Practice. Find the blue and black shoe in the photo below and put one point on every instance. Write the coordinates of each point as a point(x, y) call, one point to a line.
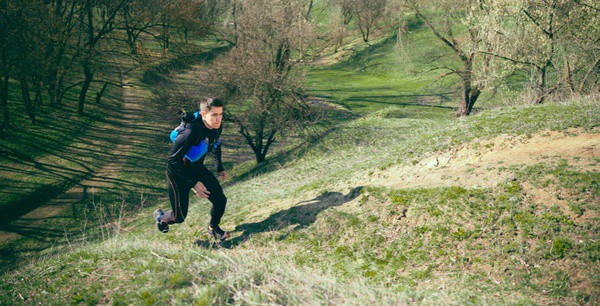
point(161, 225)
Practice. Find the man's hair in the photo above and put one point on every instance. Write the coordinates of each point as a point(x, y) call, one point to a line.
point(207, 103)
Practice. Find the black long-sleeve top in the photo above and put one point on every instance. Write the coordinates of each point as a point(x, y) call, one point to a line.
point(192, 135)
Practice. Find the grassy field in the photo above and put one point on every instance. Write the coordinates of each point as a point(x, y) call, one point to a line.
point(303, 237)
point(58, 137)
point(118, 144)
point(316, 227)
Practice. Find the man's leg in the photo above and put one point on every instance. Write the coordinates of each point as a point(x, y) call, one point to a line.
point(216, 197)
point(179, 192)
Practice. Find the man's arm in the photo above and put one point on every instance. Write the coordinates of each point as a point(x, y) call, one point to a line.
point(217, 156)
point(218, 162)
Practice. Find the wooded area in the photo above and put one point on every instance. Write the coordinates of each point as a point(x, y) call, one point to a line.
point(49, 48)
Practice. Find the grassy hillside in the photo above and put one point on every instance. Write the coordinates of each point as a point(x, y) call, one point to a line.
point(313, 232)
point(59, 135)
point(69, 177)
point(318, 225)
point(385, 74)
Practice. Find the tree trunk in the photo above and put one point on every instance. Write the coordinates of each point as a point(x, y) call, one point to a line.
point(364, 31)
point(260, 157)
point(60, 90)
point(131, 42)
point(258, 146)
point(270, 140)
point(261, 146)
point(4, 99)
point(89, 75)
point(593, 68)
point(541, 87)
point(52, 91)
point(55, 60)
point(165, 37)
point(569, 75)
point(27, 99)
point(101, 93)
point(38, 96)
point(470, 94)
point(309, 10)
point(257, 143)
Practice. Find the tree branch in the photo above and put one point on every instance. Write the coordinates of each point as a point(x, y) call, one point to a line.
point(454, 47)
point(589, 72)
point(586, 5)
point(511, 59)
point(537, 23)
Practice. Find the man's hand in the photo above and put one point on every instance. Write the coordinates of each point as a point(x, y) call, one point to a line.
point(223, 175)
point(200, 190)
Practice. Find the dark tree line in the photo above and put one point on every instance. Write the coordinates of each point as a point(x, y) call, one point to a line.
point(48, 48)
point(52, 47)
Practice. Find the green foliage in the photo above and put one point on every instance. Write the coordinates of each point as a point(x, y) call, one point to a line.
point(559, 248)
point(299, 241)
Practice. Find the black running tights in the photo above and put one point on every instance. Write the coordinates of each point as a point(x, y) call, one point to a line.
point(179, 192)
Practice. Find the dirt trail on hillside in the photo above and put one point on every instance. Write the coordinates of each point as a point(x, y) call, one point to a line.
point(482, 163)
point(35, 223)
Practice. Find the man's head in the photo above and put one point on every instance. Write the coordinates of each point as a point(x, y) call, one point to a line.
point(211, 110)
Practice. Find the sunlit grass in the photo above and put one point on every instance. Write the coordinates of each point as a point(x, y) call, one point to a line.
point(298, 238)
point(308, 229)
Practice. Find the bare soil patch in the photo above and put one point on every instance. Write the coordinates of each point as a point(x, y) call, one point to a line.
point(485, 163)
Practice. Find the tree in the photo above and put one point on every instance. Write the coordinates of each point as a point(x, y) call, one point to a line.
point(260, 77)
point(341, 16)
point(61, 47)
point(21, 35)
point(187, 18)
point(136, 18)
point(368, 14)
point(557, 40)
point(97, 21)
point(6, 31)
point(212, 10)
point(454, 24)
point(29, 45)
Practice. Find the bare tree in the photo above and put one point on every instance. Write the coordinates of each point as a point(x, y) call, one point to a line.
point(260, 76)
point(368, 14)
point(62, 46)
point(187, 18)
point(557, 40)
point(21, 38)
point(139, 17)
point(342, 13)
point(463, 40)
point(212, 10)
point(97, 21)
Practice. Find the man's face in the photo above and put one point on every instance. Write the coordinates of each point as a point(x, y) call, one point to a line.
point(213, 118)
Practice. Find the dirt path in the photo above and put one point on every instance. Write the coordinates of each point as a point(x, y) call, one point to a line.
point(482, 163)
point(35, 224)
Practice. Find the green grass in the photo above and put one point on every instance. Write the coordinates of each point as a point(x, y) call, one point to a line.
point(380, 76)
point(429, 245)
point(375, 142)
point(45, 160)
point(72, 146)
point(403, 70)
point(309, 229)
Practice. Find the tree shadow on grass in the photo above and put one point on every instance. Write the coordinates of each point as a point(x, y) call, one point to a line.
point(302, 215)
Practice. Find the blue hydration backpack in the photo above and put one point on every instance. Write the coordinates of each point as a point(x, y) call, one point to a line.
point(195, 152)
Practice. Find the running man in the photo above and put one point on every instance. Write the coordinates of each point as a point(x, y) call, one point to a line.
point(198, 135)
